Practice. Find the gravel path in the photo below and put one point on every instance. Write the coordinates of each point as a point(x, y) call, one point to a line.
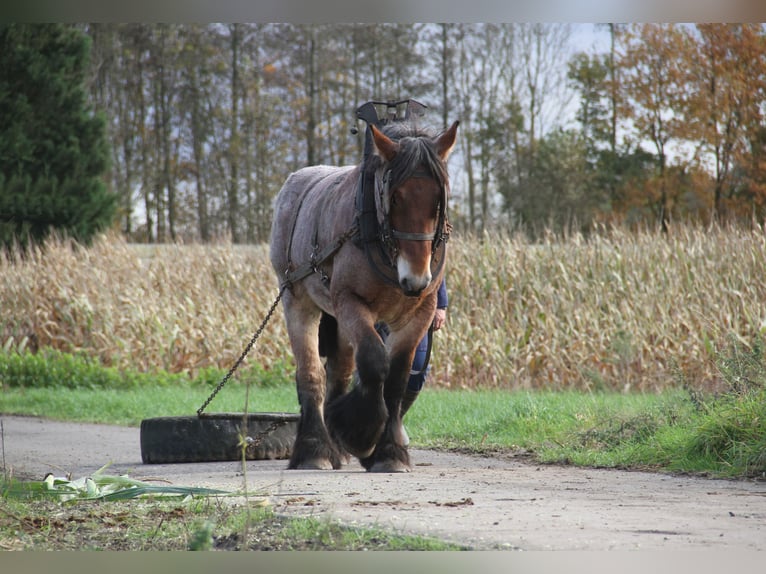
point(483, 503)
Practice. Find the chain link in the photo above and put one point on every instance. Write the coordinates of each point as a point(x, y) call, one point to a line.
point(290, 277)
point(249, 347)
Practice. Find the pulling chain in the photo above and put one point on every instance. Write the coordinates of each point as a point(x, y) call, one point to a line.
point(249, 347)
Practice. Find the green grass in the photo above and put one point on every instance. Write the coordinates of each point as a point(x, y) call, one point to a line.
point(591, 429)
point(129, 407)
point(671, 431)
point(52, 368)
point(493, 418)
point(326, 534)
point(60, 386)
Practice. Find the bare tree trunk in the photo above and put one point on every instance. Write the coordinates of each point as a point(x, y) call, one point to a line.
point(203, 225)
point(234, 138)
point(613, 88)
point(139, 49)
point(247, 156)
point(465, 88)
point(167, 151)
point(445, 72)
point(163, 183)
point(311, 87)
point(157, 178)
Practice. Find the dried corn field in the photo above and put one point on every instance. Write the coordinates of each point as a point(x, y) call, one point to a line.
point(619, 310)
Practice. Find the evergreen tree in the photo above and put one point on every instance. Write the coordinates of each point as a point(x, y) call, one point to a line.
point(53, 149)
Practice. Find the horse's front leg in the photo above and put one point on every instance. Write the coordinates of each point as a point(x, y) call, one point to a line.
point(313, 447)
point(356, 419)
point(390, 454)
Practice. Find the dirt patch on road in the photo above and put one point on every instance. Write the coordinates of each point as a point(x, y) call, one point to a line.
point(480, 502)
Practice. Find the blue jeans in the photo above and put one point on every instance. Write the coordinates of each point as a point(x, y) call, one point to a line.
point(418, 378)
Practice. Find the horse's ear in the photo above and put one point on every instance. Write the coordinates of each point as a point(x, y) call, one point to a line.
point(445, 143)
point(384, 146)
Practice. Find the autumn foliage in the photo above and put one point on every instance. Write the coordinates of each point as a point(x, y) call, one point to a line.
point(693, 97)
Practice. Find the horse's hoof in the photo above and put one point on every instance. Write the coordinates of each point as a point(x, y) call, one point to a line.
point(389, 466)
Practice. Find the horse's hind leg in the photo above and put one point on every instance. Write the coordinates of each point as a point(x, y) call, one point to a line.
point(340, 357)
point(313, 447)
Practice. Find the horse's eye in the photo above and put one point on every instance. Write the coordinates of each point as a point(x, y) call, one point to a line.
point(394, 200)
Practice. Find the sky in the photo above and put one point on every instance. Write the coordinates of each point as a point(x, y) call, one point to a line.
point(316, 11)
point(590, 37)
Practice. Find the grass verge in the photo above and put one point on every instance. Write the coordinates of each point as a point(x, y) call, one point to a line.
point(723, 436)
point(193, 524)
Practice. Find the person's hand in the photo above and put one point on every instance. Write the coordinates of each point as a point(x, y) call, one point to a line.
point(440, 317)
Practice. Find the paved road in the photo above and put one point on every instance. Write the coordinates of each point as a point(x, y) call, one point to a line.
point(480, 502)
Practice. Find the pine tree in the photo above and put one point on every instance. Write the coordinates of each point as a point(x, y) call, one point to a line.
point(53, 150)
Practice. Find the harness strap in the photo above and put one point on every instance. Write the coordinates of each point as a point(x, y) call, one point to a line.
point(413, 236)
point(318, 257)
point(295, 223)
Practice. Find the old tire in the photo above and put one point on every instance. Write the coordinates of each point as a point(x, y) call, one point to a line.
point(218, 437)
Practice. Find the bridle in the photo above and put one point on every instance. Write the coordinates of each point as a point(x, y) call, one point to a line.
point(387, 234)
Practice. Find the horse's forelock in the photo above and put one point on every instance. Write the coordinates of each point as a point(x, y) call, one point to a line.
point(416, 151)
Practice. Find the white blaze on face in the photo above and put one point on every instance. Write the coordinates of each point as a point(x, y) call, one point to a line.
point(411, 282)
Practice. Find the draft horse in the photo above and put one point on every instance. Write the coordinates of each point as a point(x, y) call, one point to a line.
point(346, 260)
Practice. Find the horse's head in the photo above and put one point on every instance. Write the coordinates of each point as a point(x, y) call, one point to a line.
point(411, 197)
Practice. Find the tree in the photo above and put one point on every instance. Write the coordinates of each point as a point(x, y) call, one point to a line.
point(558, 192)
point(588, 75)
point(540, 46)
point(195, 85)
point(53, 151)
point(653, 83)
point(753, 190)
point(726, 89)
point(486, 89)
point(206, 121)
point(613, 170)
point(113, 82)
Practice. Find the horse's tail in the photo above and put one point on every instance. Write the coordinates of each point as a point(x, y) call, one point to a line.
point(328, 335)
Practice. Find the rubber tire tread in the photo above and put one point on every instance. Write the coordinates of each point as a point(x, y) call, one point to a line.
point(216, 437)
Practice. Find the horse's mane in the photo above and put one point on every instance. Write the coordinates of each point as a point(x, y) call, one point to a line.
point(416, 152)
